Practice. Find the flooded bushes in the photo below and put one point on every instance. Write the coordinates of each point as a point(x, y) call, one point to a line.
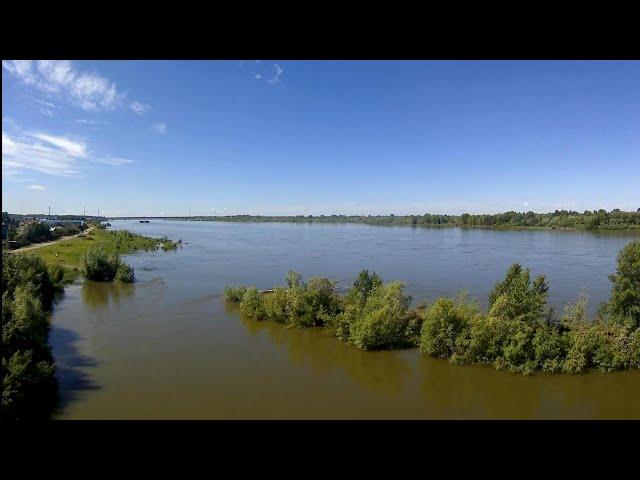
point(383, 321)
point(371, 316)
point(97, 265)
point(518, 333)
point(28, 381)
point(124, 240)
point(234, 294)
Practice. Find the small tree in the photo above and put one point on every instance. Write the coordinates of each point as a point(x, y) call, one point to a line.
point(521, 298)
point(625, 294)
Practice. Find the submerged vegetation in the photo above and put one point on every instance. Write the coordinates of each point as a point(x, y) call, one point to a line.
point(518, 332)
point(588, 220)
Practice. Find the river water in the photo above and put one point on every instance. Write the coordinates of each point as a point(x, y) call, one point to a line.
point(168, 347)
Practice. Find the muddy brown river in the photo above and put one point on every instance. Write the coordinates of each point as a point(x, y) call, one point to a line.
point(168, 347)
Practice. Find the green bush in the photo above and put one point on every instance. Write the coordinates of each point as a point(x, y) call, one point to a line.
point(28, 381)
point(57, 274)
point(234, 294)
point(276, 305)
point(251, 304)
point(517, 333)
point(384, 322)
point(27, 270)
point(33, 232)
point(625, 294)
point(124, 273)
point(522, 298)
point(444, 322)
point(97, 265)
point(550, 348)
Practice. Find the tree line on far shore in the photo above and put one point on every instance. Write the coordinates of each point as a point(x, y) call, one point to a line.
point(588, 220)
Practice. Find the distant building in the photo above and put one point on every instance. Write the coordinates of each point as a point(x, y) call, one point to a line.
point(62, 223)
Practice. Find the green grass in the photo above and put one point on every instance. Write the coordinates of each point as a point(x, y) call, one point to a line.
point(67, 254)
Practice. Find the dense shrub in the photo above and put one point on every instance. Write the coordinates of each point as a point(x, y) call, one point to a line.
point(57, 274)
point(234, 294)
point(625, 294)
point(30, 271)
point(518, 333)
point(124, 273)
point(276, 305)
point(444, 322)
point(383, 323)
point(97, 265)
point(251, 304)
point(33, 232)
point(28, 381)
point(521, 298)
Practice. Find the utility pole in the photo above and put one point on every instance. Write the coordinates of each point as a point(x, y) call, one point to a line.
point(49, 210)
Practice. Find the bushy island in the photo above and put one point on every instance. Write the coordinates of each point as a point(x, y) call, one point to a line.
point(29, 282)
point(518, 332)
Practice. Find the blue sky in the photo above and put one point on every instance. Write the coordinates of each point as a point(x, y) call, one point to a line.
point(319, 137)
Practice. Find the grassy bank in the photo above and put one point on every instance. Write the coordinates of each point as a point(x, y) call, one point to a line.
point(67, 255)
point(518, 332)
point(29, 281)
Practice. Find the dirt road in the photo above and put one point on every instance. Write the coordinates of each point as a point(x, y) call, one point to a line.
point(40, 245)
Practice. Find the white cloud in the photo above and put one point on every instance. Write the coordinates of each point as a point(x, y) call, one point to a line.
point(40, 188)
point(91, 122)
point(74, 149)
point(113, 161)
point(51, 159)
point(139, 108)
point(160, 128)
point(48, 154)
point(278, 74)
point(89, 91)
point(257, 76)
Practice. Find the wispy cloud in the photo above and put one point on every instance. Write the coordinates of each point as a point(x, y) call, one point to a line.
point(83, 121)
point(276, 78)
point(159, 127)
point(139, 108)
point(46, 108)
point(40, 188)
point(112, 161)
point(74, 149)
point(56, 156)
point(89, 91)
point(48, 154)
point(257, 76)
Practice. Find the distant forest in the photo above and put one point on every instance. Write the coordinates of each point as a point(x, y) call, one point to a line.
point(588, 220)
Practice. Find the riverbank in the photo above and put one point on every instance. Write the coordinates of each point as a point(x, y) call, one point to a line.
point(67, 255)
point(35, 246)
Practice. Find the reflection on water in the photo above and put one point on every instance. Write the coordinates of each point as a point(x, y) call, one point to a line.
point(169, 347)
point(71, 366)
point(382, 372)
point(100, 294)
